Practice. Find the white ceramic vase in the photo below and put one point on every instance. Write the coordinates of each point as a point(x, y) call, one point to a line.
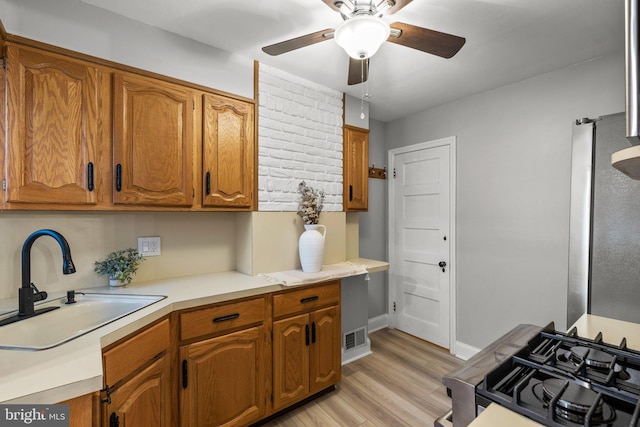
point(311, 247)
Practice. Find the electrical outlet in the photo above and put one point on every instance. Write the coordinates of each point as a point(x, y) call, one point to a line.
point(149, 246)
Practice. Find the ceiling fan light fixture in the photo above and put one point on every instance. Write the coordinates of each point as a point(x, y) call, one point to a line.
point(362, 36)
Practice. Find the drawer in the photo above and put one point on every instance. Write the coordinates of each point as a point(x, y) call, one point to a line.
point(215, 320)
point(135, 352)
point(306, 299)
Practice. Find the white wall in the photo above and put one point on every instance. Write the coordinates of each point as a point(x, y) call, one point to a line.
point(299, 139)
point(513, 177)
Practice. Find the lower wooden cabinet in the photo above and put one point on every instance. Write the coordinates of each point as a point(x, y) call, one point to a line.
point(223, 380)
point(306, 355)
point(142, 401)
point(306, 347)
point(83, 410)
point(137, 376)
point(225, 364)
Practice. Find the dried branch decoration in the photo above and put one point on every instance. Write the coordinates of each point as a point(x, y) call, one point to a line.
point(310, 203)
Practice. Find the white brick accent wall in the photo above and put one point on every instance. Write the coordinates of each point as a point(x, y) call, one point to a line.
point(299, 138)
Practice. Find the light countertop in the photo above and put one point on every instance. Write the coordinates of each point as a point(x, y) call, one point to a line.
point(588, 327)
point(75, 368)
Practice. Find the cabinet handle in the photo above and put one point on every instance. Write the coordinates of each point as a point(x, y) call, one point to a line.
point(309, 299)
point(306, 334)
point(114, 420)
point(185, 374)
point(208, 183)
point(90, 176)
point(118, 177)
point(351, 193)
point(313, 332)
point(227, 317)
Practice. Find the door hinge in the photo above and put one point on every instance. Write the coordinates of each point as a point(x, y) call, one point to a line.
point(394, 172)
point(4, 62)
point(193, 103)
point(4, 184)
point(185, 374)
point(394, 306)
point(107, 392)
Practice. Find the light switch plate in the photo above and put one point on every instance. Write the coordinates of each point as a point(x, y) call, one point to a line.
point(149, 246)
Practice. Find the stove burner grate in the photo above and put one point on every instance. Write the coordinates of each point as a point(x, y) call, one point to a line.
point(572, 402)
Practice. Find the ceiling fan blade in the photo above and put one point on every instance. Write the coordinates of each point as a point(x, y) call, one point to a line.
point(399, 4)
point(430, 41)
point(358, 71)
point(298, 42)
point(333, 4)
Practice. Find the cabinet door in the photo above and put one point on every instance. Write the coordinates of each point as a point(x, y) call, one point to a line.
point(153, 142)
point(356, 168)
point(290, 360)
point(228, 152)
point(325, 358)
point(142, 401)
point(52, 138)
point(225, 380)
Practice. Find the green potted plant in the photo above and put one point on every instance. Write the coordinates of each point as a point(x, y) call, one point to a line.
point(119, 266)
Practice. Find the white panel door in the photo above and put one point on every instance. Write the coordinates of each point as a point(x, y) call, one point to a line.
point(420, 271)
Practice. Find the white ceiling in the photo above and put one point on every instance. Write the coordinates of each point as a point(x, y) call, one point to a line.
point(507, 41)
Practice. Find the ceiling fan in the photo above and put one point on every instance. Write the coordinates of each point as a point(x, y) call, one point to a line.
point(363, 31)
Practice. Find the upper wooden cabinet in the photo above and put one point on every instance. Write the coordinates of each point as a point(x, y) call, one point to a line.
point(228, 151)
point(153, 141)
point(81, 133)
point(52, 137)
point(356, 167)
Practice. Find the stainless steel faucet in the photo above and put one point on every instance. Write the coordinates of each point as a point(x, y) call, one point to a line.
point(28, 293)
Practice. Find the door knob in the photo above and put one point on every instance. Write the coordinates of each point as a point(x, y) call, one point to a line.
point(442, 265)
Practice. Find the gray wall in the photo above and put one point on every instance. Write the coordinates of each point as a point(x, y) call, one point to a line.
point(373, 224)
point(513, 182)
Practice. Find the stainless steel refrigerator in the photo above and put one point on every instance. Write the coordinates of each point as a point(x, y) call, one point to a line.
point(604, 259)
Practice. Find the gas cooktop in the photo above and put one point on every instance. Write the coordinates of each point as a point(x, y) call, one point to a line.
point(561, 379)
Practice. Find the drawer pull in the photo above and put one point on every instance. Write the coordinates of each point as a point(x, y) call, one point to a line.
point(309, 299)
point(227, 317)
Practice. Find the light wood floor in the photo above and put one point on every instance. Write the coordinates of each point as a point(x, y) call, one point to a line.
point(398, 385)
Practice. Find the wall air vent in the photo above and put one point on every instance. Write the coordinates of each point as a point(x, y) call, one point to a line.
point(354, 339)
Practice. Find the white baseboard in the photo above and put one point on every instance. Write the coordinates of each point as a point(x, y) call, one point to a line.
point(465, 351)
point(356, 353)
point(378, 322)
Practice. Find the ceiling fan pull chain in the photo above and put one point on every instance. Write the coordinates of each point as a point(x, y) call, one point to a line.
point(362, 97)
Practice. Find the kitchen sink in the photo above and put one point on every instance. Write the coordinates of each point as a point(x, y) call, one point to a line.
point(69, 321)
